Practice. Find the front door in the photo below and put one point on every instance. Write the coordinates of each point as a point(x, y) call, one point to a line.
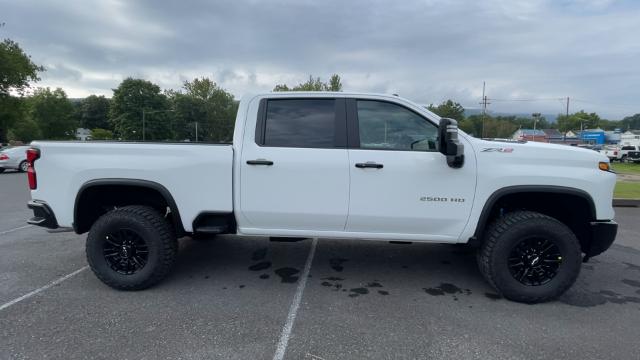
point(295, 170)
point(400, 183)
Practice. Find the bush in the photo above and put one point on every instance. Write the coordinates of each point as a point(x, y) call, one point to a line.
point(101, 134)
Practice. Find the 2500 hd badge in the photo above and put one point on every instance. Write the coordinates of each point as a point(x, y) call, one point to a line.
point(441, 199)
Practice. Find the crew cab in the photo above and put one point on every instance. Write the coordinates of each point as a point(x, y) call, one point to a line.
point(626, 150)
point(619, 153)
point(333, 165)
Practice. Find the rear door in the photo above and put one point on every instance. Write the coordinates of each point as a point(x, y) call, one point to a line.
point(400, 183)
point(294, 167)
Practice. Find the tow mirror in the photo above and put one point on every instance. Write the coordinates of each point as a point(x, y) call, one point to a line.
point(448, 143)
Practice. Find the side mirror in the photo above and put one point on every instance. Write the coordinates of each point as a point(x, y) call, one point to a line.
point(448, 143)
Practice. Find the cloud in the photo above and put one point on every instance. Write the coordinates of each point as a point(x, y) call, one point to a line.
point(425, 50)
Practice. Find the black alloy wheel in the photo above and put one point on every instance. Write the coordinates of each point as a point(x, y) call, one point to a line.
point(125, 251)
point(534, 261)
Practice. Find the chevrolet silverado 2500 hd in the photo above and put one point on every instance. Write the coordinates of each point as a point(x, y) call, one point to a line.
point(333, 165)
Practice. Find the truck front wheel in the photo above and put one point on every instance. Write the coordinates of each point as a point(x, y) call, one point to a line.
point(529, 257)
point(131, 248)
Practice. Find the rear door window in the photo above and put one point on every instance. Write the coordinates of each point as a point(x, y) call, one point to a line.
point(306, 123)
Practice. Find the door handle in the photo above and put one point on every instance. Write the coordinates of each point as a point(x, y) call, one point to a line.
point(260, 162)
point(369, 165)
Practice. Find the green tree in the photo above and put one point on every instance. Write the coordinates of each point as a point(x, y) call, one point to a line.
point(94, 112)
point(188, 111)
point(448, 109)
point(494, 127)
point(133, 99)
point(16, 68)
point(101, 134)
point(630, 122)
point(577, 121)
point(17, 71)
point(335, 84)
point(53, 112)
point(25, 130)
point(314, 84)
point(208, 105)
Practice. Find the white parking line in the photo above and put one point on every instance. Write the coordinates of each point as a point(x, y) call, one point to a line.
point(293, 310)
point(34, 292)
point(16, 229)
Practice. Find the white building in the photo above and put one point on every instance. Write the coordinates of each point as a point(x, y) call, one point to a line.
point(630, 137)
point(83, 134)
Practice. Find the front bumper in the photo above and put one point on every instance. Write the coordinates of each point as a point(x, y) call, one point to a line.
point(42, 215)
point(603, 233)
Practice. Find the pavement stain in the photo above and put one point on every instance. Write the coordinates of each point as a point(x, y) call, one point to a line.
point(287, 275)
point(591, 298)
point(264, 276)
point(492, 296)
point(336, 264)
point(355, 292)
point(260, 266)
point(447, 289)
point(631, 266)
point(630, 282)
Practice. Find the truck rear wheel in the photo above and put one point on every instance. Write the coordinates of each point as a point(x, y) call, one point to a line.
point(131, 248)
point(529, 257)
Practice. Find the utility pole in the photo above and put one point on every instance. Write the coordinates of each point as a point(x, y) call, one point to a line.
point(143, 127)
point(484, 107)
point(567, 107)
point(196, 131)
point(536, 116)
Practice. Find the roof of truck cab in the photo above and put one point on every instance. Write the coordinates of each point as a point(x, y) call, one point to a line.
point(326, 94)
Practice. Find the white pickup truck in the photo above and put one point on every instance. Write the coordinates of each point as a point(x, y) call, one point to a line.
point(333, 165)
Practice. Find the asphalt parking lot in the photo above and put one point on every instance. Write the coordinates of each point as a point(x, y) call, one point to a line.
point(235, 298)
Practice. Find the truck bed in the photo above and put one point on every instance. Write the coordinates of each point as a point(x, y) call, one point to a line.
point(198, 176)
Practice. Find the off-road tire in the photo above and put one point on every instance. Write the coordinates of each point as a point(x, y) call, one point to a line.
point(156, 232)
point(508, 231)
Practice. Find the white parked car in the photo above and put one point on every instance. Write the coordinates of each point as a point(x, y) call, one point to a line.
point(14, 158)
point(333, 165)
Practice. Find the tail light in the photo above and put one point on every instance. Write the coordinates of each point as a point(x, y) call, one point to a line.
point(4, 157)
point(33, 154)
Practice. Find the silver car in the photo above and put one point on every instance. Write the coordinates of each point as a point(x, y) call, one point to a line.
point(14, 158)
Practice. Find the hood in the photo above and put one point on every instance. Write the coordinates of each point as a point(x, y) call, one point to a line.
point(535, 152)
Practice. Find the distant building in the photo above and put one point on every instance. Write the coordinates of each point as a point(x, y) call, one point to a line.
point(630, 137)
point(530, 135)
point(592, 136)
point(612, 137)
point(553, 134)
point(83, 134)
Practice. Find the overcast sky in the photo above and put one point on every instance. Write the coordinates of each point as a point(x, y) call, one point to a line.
point(426, 51)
